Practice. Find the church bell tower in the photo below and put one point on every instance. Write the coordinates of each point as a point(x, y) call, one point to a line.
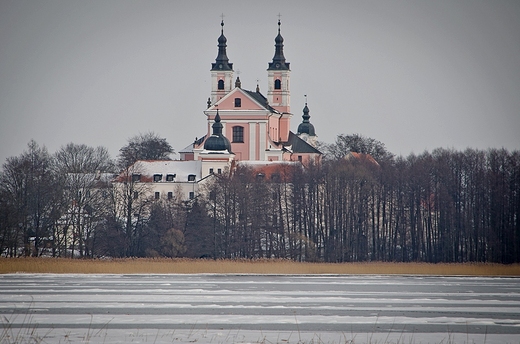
point(221, 70)
point(278, 76)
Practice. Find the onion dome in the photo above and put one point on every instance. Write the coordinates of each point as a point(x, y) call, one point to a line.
point(278, 58)
point(306, 127)
point(222, 61)
point(217, 141)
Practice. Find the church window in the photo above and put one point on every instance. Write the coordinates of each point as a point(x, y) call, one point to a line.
point(238, 102)
point(277, 84)
point(238, 134)
point(221, 84)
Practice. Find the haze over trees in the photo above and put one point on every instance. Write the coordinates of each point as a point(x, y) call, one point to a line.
point(439, 206)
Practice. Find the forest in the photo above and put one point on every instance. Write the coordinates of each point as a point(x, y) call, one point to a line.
point(439, 206)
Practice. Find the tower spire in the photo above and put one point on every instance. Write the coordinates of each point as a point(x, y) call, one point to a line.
point(221, 69)
point(222, 61)
point(217, 141)
point(306, 130)
point(279, 62)
point(278, 77)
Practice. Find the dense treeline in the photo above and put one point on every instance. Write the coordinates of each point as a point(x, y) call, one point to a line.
point(443, 206)
point(65, 205)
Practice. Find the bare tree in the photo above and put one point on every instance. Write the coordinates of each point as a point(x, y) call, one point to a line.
point(84, 173)
point(147, 146)
point(32, 191)
point(356, 143)
point(132, 202)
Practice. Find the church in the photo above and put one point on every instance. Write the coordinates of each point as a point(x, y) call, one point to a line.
point(243, 127)
point(251, 126)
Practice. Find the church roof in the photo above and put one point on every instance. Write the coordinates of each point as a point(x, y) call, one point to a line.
point(271, 170)
point(226, 102)
point(355, 156)
point(259, 97)
point(181, 170)
point(217, 141)
point(297, 145)
point(189, 148)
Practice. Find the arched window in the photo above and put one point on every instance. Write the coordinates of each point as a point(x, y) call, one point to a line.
point(277, 84)
point(238, 134)
point(221, 84)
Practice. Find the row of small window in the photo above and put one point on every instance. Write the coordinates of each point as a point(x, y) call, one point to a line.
point(159, 177)
point(277, 85)
point(157, 195)
point(212, 170)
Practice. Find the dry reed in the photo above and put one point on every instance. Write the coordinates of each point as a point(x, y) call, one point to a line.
point(197, 266)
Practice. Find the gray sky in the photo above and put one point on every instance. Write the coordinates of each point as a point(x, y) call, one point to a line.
point(415, 75)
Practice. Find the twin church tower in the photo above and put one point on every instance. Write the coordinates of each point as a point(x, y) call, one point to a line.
point(245, 125)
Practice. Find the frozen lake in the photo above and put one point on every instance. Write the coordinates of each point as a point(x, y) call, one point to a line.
point(258, 308)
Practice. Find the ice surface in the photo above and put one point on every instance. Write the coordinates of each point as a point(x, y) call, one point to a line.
point(252, 308)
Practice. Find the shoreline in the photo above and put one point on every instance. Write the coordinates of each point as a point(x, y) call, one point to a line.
point(243, 266)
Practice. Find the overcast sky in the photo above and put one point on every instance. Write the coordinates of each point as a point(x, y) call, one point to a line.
point(415, 75)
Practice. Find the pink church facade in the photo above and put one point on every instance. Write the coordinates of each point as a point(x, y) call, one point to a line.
point(256, 126)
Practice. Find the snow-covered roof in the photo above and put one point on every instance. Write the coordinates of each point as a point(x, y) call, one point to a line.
point(180, 168)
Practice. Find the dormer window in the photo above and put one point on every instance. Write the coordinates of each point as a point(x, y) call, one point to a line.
point(238, 102)
point(157, 177)
point(277, 84)
point(191, 177)
point(136, 177)
point(170, 177)
point(220, 84)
